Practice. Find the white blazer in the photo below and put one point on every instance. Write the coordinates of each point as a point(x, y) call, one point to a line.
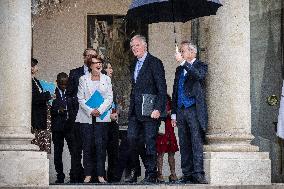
point(85, 91)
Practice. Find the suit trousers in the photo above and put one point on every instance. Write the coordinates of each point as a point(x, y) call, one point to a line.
point(125, 154)
point(58, 142)
point(94, 141)
point(191, 141)
point(112, 150)
point(76, 156)
point(149, 131)
point(88, 146)
point(101, 138)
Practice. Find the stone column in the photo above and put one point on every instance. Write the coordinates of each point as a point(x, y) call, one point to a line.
point(21, 163)
point(230, 159)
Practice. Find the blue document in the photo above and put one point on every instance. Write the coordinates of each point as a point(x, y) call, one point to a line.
point(95, 101)
point(48, 86)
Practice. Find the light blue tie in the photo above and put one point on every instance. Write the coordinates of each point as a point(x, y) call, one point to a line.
point(138, 67)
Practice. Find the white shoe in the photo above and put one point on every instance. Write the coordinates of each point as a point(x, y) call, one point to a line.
point(87, 179)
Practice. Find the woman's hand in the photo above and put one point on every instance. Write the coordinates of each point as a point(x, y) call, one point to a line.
point(113, 116)
point(95, 113)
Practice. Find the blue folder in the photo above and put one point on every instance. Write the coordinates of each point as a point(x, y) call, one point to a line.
point(48, 86)
point(95, 101)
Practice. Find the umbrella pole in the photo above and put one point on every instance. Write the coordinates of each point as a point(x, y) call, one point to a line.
point(173, 14)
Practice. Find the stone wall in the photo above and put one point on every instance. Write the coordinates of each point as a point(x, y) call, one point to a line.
point(266, 80)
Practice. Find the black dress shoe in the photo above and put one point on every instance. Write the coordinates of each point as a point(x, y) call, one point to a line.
point(185, 180)
point(200, 179)
point(149, 180)
point(131, 178)
point(59, 181)
point(171, 180)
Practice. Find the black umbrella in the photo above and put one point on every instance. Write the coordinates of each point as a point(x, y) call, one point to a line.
point(153, 11)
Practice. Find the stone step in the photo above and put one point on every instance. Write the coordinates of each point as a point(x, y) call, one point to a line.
point(163, 186)
point(153, 186)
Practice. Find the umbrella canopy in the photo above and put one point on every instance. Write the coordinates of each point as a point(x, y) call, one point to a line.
point(153, 11)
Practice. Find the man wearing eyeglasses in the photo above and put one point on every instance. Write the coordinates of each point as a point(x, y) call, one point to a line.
point(77, 171)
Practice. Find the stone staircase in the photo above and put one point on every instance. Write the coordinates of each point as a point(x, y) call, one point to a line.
point(166, 186)
point(154, 186)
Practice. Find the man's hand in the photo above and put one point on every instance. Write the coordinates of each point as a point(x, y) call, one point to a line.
point(155, 114)
point(95, 113)
point(178, 57)
point(61, 110)
point(174, 123)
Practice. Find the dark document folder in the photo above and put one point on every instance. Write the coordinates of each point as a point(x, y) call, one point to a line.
point(148, 105)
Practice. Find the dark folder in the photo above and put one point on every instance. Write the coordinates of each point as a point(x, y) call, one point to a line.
point(148, 102)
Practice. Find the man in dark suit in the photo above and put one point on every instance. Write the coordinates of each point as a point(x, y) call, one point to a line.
point(189, 112)
point(73, 106)
point(148, 78)
point(60, 127)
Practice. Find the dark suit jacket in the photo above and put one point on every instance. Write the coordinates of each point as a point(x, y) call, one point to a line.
point(151, 80)
point(58, 117)
point(71, 92)
point(193, 87)
point(39, 106)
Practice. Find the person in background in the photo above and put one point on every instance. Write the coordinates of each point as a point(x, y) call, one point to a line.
point(189, 112)
point(167, 143)
point(60, 127)
point(39, 111)
point(93, 126)
point(113, 134)
point(73, 106)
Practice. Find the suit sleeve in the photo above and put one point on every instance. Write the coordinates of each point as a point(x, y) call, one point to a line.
point(160, 82)
point(39, 98)
point(70, 85)
point(197, 72)
point(54, 107)
point(174, 94)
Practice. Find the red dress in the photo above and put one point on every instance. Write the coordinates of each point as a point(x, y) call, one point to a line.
point(167, 142)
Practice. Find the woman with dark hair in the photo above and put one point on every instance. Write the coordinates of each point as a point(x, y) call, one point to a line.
point(94, 125)
point(113, 134)
point(39, 111)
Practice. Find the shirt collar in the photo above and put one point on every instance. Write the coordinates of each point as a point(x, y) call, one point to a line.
point(142, 59)
point(86, 69)
point(182, 63)
point(60, 91)
point(191, 62)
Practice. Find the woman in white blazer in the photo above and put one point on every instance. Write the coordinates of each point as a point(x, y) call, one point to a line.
point(94, 128)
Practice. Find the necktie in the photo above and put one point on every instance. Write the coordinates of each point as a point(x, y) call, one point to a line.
point(63, 97)
point(138, 67)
